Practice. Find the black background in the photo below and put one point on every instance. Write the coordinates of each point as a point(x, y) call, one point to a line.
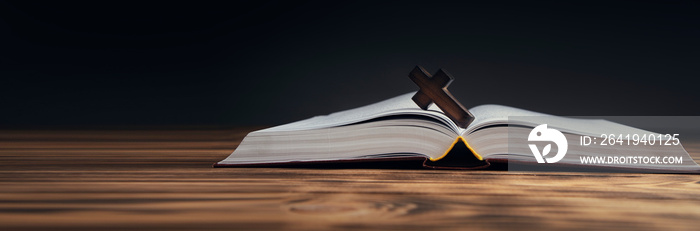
point(270, 62)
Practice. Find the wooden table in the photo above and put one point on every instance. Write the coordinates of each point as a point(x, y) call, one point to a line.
point(162, 179)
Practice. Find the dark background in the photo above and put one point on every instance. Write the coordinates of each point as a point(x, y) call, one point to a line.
point(271, 62)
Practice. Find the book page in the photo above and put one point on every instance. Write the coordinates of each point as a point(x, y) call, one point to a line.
point(399, 105)
point(487, 115)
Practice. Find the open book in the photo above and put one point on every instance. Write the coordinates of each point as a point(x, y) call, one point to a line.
point(397, 129)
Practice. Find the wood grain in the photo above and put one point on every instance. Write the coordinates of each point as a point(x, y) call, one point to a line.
point(162, 179)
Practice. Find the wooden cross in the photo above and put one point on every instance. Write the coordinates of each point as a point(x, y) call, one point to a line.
point(434, 90)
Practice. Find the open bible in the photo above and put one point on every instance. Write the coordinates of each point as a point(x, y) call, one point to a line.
point(397, 129)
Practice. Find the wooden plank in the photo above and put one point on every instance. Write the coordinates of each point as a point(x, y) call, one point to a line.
point(97, 180)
